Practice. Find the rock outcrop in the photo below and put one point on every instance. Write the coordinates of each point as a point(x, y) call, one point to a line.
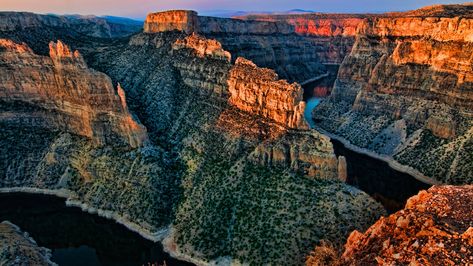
point(17, 248)
point(259, 91)
point(203, 64)
point(406, 91)
point(178, 20)
point(202, 47)
point(435, 228)
point(307, 153)
point(59, 92)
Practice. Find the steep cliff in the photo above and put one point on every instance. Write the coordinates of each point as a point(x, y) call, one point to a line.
point(406, 91)
point(295, 47)
point(260, 92)
point(59, 92)
point(17, 248)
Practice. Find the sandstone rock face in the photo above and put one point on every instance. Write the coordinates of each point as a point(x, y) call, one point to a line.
point(202, 47)
point(295, 47)
point(259, 91)
point(60, 92)
point(17, 248)
point(435, 228)
point(329, 25)
point(406, 91)
point(249, 88)
point(179, 20)
point(308, 153)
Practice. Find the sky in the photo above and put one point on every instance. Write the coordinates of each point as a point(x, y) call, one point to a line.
point(139, 8)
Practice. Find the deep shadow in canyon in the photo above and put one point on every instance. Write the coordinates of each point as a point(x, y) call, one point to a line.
point(388, 186)
point(79, 238)
point(375, 177)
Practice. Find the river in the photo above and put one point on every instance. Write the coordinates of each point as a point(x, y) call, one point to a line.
point(78, 238)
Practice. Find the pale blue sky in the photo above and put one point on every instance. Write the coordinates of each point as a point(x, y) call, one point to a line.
point(139, 8)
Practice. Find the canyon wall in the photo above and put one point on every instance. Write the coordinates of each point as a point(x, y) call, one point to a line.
point(255, 90)
point(259, 91)
point(84, 33)
point(295, 47)
point(60, 92)
point(406, 91)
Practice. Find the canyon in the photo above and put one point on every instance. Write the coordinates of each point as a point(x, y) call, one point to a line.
point(213, 142)
point(192, 132)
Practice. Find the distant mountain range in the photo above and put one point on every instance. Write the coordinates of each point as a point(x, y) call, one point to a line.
point(233, 13)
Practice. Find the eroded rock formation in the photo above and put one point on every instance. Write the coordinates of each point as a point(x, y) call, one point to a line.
point(406, 91)
point(259, 91)
point(435, 228)
point(60, 92)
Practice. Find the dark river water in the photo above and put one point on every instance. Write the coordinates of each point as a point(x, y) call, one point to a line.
point(388, 186)
point(77, 238)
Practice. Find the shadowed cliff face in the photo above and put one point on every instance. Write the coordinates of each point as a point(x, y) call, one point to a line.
point(406, 91)
point(80, 32)
point(64, 94)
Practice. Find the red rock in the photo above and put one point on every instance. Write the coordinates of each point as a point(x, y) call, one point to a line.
point(259, 91)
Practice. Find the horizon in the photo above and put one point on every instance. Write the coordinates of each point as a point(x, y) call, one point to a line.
point(140, 8)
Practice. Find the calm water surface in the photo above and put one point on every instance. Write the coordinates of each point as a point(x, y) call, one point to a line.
point(77, 238)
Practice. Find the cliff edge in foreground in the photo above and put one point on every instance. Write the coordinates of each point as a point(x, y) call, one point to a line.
point(435, 228)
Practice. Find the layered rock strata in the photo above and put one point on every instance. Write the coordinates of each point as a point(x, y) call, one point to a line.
point(87, 25)
point(249, 88)
point(295, 47)
point(259, 91)
point(59, 92)
point(17, 248)
point(406, 92)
